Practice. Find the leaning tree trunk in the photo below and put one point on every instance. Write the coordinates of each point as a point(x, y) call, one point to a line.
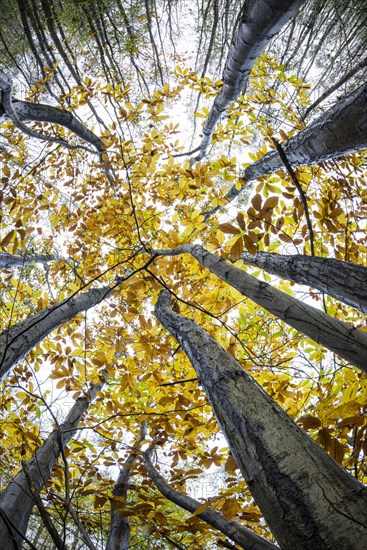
point(242, 536)
point(341, 130)
point(119, 535)
point(308, 500)
point(20, 339)
point(17, 501)
point(337, 336)
point(344, 281)
point(259, 22)
point(8, 261)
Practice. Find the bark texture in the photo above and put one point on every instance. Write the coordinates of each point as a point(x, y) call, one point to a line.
point(18, 111)
point(8, 261)
point(308, 500)
point(20, 339)
point(242, 536)
point(16, 501)
point(259, 22)
point(344, 281)
point(340, 130)
point(119, 535)
point(339, 337)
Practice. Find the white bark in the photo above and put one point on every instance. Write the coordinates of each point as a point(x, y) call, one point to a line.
point(16, 501)
point(8, 261)
point(339, 337)
point(19, 339)
point(307, 499)
point(242, 536)
point(344, 281)
point(260, 21)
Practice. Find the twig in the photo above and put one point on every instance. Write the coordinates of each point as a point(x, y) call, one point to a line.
point(292, 174)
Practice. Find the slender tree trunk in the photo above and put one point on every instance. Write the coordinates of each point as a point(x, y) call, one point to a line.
point(308, 500)
point(20, 339)
point(8, 261)
point(344, 281)
point(119, 535)
point(38, 112)
point(337, 336)
point(259, 22)
point(242, 536)
point(16, 501)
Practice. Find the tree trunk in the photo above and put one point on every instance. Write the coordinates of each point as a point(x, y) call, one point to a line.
point(43, 113)
point(340, 130)
point(259, 22)
point(20, 339)
point(16, 501)
point(308, 500)
point(8, 261)
point(119, 535)
point(337, 336)
point(344, 281)
point(242, 536)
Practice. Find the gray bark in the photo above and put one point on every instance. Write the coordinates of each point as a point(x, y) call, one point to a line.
point(340, 130)
point(242, 536)
point(16, 501)
point(307, 499)
point(19, 339)
point(119, 535)
point(8, 261)
point(18, 111)
point(259, 22)
point(344, 281)
point(339, 337)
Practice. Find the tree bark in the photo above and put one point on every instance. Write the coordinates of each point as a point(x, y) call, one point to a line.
point(336, 336)
point(340, 130)
point(16, 501)
point(20, 339)
point(259, 22)
point(344, 281)
point(119, 535)
point(8, 261)
point(307, 499)
point(23, 110)
point(242, 536)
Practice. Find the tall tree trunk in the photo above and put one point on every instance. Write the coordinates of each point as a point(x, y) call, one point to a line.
point(259, 22)
point(340, 130)
point(119, 535)
point(242, 536)
point(337, 336)
point(23, 110)
point(16, 501)
point(20, 339)
point(344, 281)
point(308, 500)
point(8, 261)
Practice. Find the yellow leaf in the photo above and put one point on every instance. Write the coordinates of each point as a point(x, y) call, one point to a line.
point(201, 508)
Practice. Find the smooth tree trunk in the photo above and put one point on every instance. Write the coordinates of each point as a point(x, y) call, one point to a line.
point(119, 535)
point(16, 501)
point(259, 22)
point(339, 131)
point(20, 339)
point(18, 111)
point(307, 499)
point(8, 261)
point(335, 335)
point(239, 534)
point(344, 281)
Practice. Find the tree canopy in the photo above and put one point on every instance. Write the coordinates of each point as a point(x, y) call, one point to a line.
point(183, 273)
